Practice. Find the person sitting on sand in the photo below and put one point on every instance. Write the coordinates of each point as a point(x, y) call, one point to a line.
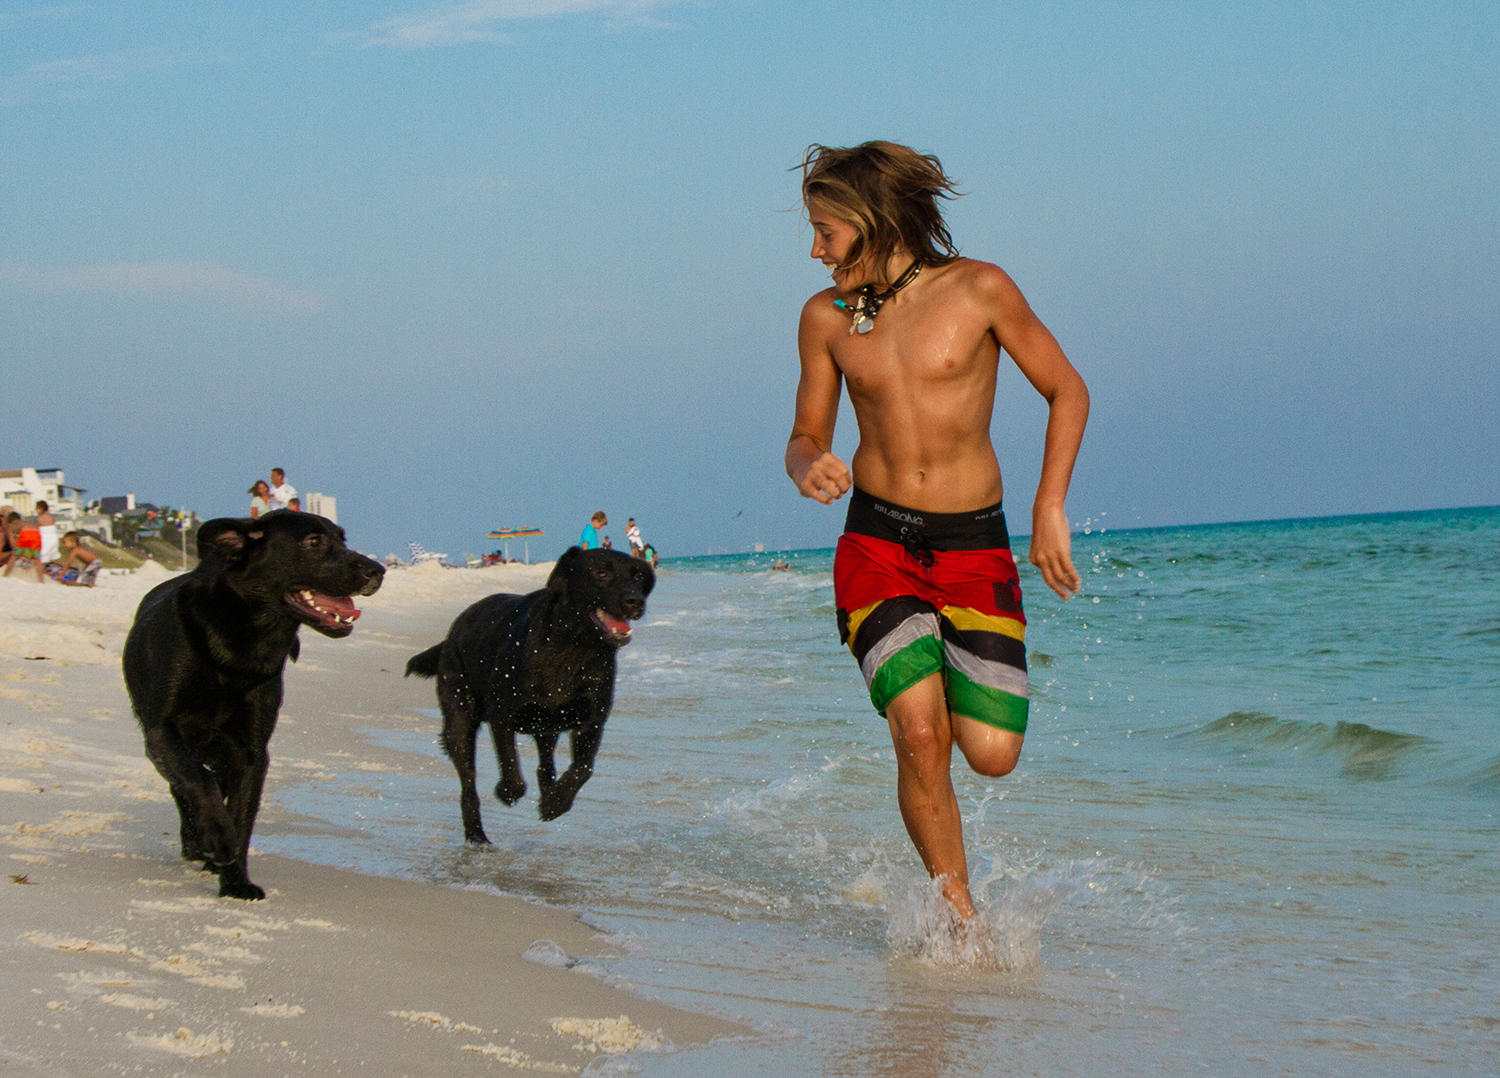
point(925, 587)
point(89, 563)
point(7, 541)
point(26, 547)
point(260, 499)
point(589, 540)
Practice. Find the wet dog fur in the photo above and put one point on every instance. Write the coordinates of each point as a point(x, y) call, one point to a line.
point(204, 661)
point(537, 664)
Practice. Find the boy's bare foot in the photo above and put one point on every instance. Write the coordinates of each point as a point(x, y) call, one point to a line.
point(956, 891)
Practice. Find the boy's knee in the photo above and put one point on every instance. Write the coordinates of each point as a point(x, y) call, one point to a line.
point(994, 764)
point(989, 751)
point(920, 741)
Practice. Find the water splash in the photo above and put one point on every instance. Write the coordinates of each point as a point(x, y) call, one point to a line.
point(1005, 937)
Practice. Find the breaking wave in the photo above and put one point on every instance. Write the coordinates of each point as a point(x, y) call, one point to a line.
point(1366, 752)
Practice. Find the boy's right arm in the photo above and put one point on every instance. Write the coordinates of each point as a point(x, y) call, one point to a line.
point(810, 462)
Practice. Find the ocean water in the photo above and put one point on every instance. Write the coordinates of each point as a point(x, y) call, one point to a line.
point(1254, 829)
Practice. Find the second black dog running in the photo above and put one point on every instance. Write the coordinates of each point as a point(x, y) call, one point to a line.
point(537, 664)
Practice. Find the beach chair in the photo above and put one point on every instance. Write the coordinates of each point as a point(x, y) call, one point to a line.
point(418, 555)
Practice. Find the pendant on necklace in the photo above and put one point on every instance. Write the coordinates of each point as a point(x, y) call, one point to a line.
point(864, 311)
point(863, 315)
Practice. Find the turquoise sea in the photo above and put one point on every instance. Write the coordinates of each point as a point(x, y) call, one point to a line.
point(1254, 830)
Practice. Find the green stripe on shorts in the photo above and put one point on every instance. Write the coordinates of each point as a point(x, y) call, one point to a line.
point(993, 707)
point(904, 669)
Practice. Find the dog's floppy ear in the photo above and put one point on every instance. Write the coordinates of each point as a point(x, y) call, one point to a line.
point(647, 577)
point(226, 539)
point(563, 570)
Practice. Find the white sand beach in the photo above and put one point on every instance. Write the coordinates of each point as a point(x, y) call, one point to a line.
point(117, 956)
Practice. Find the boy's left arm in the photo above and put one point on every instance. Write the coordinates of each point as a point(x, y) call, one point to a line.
point(1041, 359)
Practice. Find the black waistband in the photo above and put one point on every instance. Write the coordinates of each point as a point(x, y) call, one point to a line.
point(978, 529)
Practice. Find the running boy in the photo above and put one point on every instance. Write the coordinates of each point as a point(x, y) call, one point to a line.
point(926, 589)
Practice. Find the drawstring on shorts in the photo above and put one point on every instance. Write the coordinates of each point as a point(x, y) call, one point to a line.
point(918, 546)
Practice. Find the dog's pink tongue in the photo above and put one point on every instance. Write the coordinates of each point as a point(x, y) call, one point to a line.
point(614, 624)
point(342, 605)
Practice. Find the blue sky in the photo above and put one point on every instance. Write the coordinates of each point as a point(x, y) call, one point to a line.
point(502, 263)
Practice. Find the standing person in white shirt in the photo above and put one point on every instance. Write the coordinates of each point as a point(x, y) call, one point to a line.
point(633, 536)
point(47, 525)
point(282, 492)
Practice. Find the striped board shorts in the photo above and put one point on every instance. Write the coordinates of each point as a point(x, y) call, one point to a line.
point(923, 593)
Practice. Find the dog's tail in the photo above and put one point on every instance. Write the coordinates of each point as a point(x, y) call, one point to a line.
point(425, 664)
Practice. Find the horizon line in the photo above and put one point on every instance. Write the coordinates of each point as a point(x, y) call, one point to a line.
point(1146, 528)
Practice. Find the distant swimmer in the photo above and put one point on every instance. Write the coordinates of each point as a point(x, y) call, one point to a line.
point(780, 566)
point(927, 593)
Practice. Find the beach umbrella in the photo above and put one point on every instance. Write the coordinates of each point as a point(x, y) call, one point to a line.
point(514, 533)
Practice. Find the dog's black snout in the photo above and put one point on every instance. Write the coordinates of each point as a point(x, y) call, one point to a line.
point(372, 574)
point(635, 606)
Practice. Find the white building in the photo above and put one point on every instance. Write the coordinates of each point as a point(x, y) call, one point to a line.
point(22, 488)
point(322, 504)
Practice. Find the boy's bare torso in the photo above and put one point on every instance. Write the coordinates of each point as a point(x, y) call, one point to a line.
point(923, 386)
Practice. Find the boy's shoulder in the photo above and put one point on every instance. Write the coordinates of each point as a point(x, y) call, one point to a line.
point(820, 305)
point(983, 277)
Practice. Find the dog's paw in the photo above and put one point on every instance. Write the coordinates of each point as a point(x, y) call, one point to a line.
point(233, 883)
point(510, 794)
point(554, 805)
point(477, 838)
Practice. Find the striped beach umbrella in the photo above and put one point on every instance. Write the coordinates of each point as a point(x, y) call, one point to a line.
point(504, 534)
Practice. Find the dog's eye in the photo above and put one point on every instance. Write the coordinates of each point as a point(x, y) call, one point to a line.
point(313, 541)
point(601, 574)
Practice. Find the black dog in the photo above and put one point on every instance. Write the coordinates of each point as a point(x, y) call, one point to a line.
point(537, 664)
point(204, 659)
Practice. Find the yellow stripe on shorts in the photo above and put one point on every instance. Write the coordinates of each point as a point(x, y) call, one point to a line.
point(857, 618)
point(965, 619)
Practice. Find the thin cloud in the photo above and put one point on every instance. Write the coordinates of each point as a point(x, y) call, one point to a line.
point(10, 19)
point(484, 20)
point(160, 280)
point(80, 76)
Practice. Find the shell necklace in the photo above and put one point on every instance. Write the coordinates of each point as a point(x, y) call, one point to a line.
point(864, 309)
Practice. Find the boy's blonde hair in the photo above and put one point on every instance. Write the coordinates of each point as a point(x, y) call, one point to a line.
point(889, 193)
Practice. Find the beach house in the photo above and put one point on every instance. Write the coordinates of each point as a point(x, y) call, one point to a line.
point(22, 488)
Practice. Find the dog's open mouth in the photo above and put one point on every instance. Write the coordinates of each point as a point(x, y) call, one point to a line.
point(324, 611)
point(615, 629)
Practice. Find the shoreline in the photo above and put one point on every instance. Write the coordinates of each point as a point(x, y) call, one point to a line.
point(118, 954)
